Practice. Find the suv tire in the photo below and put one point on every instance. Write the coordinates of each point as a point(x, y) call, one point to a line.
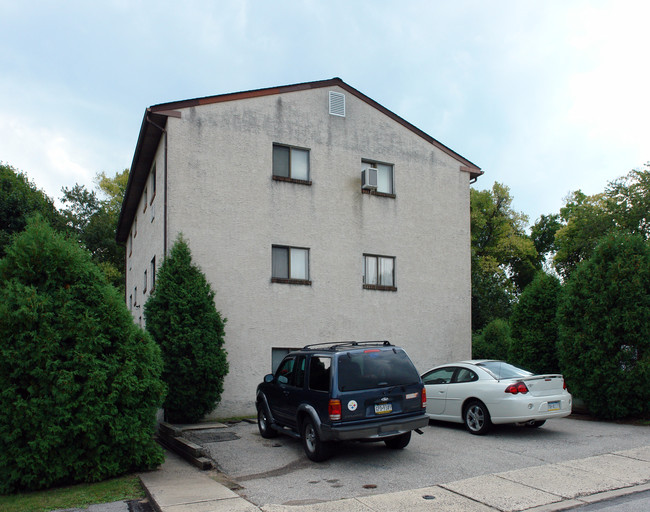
point(316, 449)
point(264, 425)
point(399, 442)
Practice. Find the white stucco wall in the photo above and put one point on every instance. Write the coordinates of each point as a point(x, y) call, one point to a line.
point(221, 196)
point(147, 243)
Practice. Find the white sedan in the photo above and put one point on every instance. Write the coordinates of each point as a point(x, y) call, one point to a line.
point(480, 393)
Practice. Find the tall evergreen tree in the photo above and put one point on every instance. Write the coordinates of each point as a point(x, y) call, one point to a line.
point(79, 381)
point(492, 342)
point(534, 328)
point(182, 317)
point(604, 322)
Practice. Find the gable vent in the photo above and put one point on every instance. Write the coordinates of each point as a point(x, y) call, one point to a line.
point(337, 104)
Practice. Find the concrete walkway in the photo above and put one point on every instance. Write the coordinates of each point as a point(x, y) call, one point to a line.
point(179, 487)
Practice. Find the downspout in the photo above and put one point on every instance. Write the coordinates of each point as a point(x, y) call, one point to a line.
point(164, 186)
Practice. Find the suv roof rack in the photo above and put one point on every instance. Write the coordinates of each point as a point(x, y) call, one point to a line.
point(339, 345)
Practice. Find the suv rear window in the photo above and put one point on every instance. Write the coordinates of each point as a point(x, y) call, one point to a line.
point(375, 368)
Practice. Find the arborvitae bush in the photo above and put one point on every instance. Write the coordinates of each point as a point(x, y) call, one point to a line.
point(79, 381)
point(493, 342)
point(604, 321)
point(533, 326)
point(182, 317)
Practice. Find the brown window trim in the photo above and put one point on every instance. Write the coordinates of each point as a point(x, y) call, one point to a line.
point(379, 288)
point(291, 180)
point(305, 282)
point(375, 193)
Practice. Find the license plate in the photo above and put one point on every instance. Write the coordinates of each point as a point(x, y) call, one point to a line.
point(554, 406)
point(383, 408)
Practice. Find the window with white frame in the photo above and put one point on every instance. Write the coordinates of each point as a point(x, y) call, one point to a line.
point(379, 272)
point(290, 164)
point(290, 265)
point(384, 176)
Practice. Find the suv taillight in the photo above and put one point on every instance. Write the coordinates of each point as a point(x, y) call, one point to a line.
point(334, 409)
point(517, 387)
point(424, 398)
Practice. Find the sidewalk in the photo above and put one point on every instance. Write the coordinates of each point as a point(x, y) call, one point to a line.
point(179, 487)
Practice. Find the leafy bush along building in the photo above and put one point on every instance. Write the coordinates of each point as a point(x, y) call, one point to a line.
point(266, 187)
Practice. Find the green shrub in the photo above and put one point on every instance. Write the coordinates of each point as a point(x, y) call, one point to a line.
point(181, 316)
point(493, 342)
point(79, 382)
point(604, 321)
point(533, 326)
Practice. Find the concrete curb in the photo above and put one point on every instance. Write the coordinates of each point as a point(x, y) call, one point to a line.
point(179, 487)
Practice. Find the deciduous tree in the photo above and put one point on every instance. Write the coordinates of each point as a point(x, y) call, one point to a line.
point(19, 198)
point(94, 220)
point(504, 259)
point(623, 206)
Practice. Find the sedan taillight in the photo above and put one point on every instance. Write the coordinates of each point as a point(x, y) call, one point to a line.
point(517, 387)
point(334, 409)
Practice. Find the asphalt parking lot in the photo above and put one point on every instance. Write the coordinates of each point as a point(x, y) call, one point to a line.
point(277, 471)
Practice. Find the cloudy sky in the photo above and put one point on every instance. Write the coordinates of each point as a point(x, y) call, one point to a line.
point(546, 97)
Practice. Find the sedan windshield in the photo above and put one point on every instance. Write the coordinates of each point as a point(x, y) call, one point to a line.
point(501, 370)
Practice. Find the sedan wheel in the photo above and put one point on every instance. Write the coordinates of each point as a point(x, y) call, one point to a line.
point(477, 418)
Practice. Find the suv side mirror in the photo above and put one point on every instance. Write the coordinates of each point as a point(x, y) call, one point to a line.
point(268, 378)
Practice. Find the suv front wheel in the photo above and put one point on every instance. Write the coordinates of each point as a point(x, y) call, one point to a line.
point(316, 449)
point(264, 426)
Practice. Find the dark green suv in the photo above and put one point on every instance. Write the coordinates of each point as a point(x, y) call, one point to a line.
point(366, 390)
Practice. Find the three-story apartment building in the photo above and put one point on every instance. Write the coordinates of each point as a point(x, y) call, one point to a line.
point(315, 213)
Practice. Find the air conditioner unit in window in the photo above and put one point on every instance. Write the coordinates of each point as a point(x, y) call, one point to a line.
point(369, 178)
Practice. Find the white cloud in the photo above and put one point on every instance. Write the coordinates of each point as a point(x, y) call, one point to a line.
point(51, 159)
point(610, 97)
point(546, 97)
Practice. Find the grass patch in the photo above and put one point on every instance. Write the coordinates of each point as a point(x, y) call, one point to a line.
point(74, 496)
